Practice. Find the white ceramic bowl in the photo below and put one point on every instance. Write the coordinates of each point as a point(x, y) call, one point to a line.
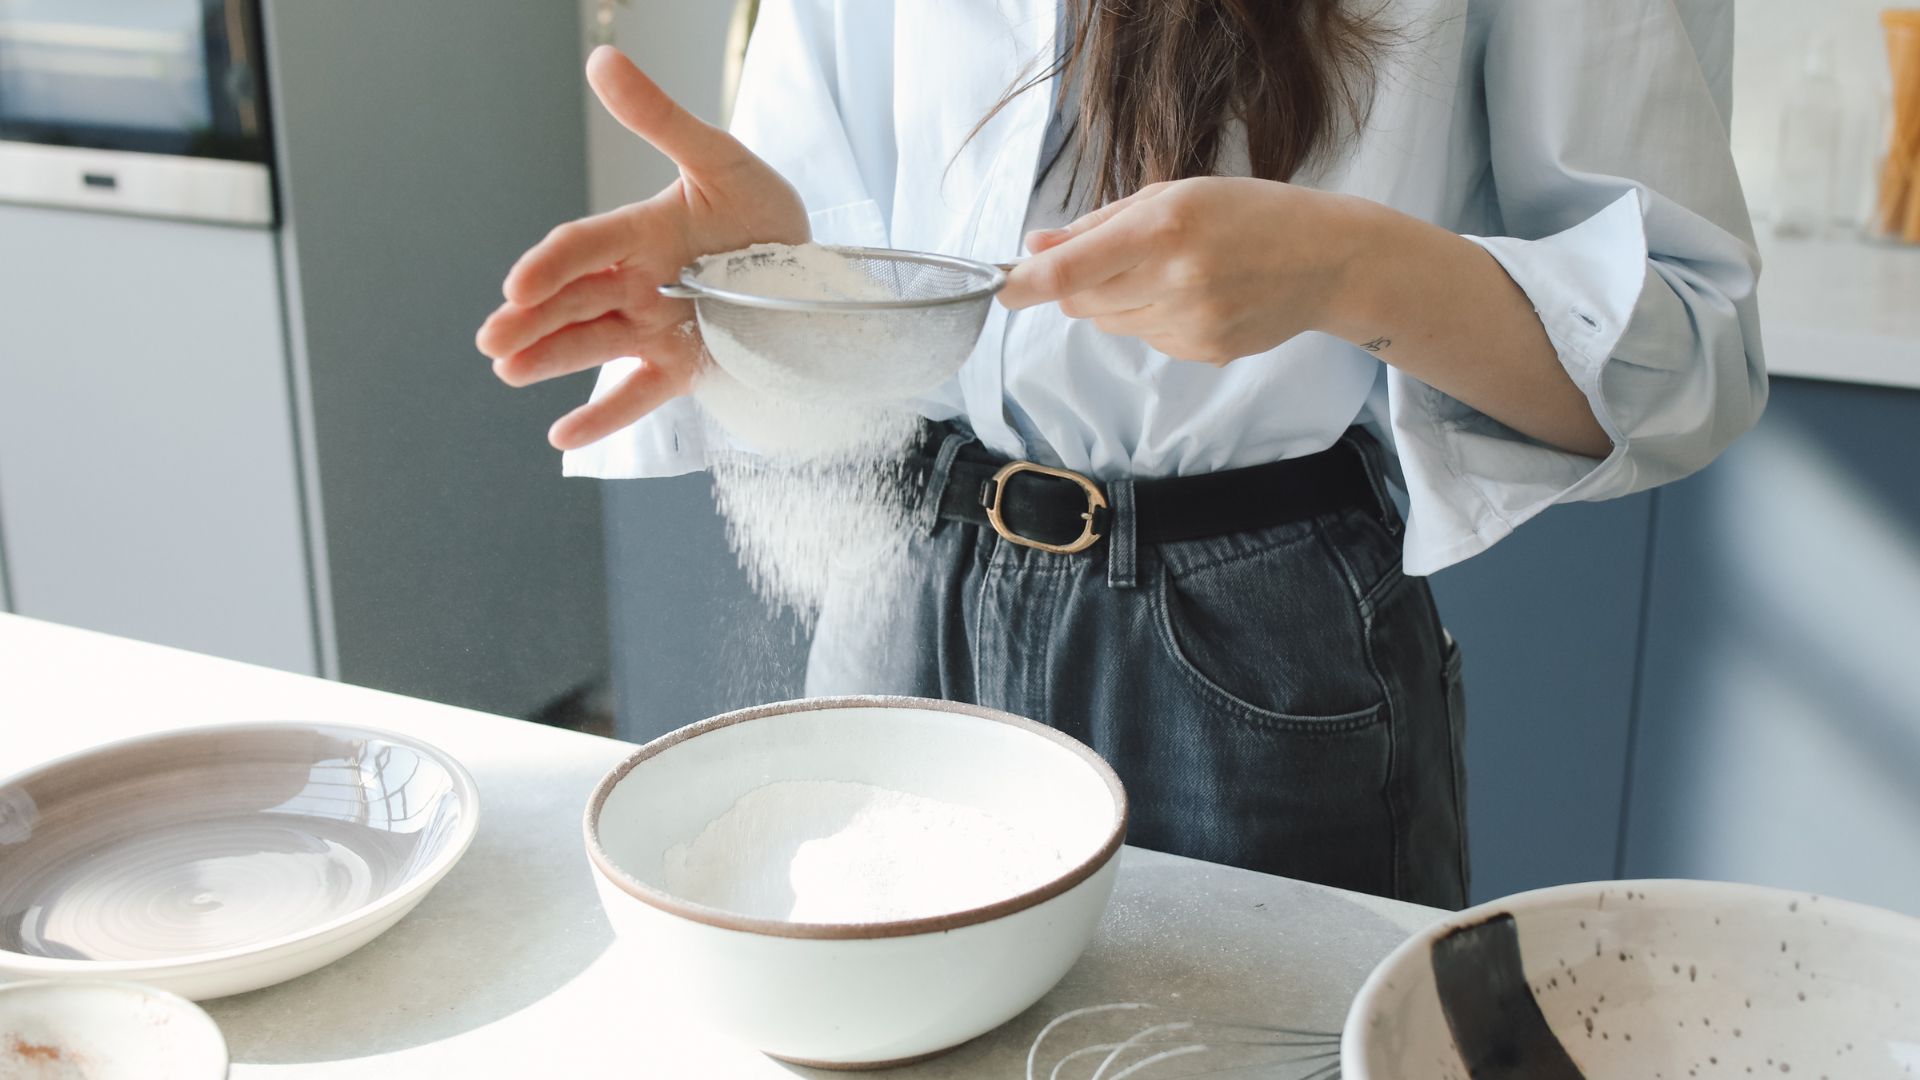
point(848, 995)
point(214, 860)
point(1672, 978)
point(58, 1030)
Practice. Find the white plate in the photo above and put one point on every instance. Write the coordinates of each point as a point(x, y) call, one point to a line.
point(214, 860)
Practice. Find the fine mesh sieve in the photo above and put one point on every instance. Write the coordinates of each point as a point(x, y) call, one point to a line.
point(905, 329)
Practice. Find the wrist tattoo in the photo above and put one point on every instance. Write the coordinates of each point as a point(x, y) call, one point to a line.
point(1377, 344)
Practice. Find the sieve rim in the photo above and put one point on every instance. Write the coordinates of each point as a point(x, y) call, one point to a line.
point(993, 279)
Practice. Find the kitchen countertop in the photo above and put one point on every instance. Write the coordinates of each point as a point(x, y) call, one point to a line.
point(1841, 309)
point(509, 969)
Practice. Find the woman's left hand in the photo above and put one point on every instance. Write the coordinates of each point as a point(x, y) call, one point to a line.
point(1210, 269)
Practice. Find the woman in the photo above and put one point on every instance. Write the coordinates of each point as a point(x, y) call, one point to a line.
point(1492, 249)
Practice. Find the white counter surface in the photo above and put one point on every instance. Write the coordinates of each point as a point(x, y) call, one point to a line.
point(1842, 310)
point(509, 968)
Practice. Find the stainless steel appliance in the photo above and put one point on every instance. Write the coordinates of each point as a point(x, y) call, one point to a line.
point(153, 107)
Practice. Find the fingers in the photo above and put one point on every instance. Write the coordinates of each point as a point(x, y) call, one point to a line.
point(646, 110)
point(665, 375)
point(1041, 239)
point(583, 247)
point(513, 328)
point(1077, 264)
point(575, 348)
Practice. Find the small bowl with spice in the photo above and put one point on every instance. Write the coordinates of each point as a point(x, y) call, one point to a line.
point(857, 882)
point(100, 1030)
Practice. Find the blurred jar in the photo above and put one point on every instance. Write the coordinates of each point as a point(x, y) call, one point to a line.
point(1810, 132)
point(1897, 210)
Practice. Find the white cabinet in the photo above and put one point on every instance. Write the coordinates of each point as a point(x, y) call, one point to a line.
point(148, 483)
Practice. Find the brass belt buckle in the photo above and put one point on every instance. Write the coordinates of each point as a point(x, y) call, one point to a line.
point(1096, 501)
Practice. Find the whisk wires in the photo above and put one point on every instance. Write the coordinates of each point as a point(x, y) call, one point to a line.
point(1275, 1049)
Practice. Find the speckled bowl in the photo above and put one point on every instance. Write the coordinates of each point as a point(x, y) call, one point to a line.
point(1676, 979)
point(858, 994)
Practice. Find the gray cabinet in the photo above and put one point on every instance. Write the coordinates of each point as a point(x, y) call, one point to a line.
point(1779, 717)
point(1717, 680)
point(421, 147)
point(1549, 623)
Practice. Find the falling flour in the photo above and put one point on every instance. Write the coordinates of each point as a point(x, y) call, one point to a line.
point(836, 851)
point(813, 490)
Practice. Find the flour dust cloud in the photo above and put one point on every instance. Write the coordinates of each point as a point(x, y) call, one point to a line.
point(813, 489)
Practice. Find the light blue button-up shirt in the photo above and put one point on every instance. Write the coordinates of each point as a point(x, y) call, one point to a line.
point(1583, 144)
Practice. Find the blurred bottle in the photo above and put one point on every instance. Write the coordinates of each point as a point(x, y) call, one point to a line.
point(1897, 213)
point(1810, 132)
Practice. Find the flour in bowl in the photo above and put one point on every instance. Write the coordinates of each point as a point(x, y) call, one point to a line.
point(836, 851)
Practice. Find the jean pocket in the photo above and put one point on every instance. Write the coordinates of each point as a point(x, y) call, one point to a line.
point(1275, 638)
point(1281, 772)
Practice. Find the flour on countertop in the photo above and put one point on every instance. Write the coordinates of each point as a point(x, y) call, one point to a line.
point(837, 851)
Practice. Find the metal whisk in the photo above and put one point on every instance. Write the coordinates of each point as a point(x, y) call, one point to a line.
point(905, 331)
point(1169, 1046)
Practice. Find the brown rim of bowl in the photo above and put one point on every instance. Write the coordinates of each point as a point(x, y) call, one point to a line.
point(929, 924)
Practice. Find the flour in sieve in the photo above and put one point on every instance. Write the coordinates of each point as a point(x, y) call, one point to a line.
point(796, 272)
point(836, 851)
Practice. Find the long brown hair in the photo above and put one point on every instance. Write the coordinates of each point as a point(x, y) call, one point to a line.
point(1160, 79)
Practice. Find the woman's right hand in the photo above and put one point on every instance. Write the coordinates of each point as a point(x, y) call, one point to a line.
point(587, 293)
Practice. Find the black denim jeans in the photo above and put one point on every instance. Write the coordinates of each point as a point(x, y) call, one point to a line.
point(1283, 700)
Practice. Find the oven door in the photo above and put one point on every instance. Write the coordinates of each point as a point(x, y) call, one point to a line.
point(151, 107)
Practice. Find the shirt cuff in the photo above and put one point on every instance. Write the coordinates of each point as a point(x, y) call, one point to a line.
point(1585, 284)
point(1471, 479)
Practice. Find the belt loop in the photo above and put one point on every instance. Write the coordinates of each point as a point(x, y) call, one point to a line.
point(1122, 552)
point(950, 448)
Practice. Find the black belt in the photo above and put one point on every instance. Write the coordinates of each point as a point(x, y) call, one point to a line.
point(1061, 511)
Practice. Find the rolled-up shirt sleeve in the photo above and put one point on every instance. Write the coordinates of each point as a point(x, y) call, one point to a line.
point(1622, 219)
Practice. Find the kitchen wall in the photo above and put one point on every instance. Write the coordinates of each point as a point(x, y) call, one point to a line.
point(1771, 40)
point(680, 45)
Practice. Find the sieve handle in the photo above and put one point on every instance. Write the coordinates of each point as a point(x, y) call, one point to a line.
point(673, 290)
